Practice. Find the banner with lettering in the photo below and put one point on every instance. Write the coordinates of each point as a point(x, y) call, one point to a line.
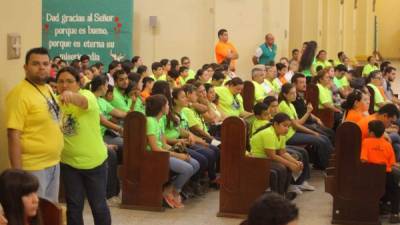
point(101, 29)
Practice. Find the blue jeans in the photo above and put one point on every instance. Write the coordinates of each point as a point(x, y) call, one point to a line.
point(184, 169)
point(211, 155)
point(49, 182)
point(321, 144)
point(91, 182)
point(302, 154)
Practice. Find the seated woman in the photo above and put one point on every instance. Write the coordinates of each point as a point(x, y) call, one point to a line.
point(370, 66)
point(230, 100)
point(84, 157)
point(180, 163)
point(19, 198)
point(298, 134)
point(356, 106)
point(202, 76)
point(272, 209)
point(269, 142)
point(320, 60)
point(374, 81)
point(147, 85)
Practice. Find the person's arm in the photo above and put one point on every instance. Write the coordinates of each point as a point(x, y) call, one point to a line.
point(245, 114)
point(303, 119)
point(69, 97)
point(200, 132)
point(297, 126)
point(200, 108)
point(118, 113)
point(152, 140)
point(255, 60)
point(272, 154)
point(14, 148)
point(105, 122)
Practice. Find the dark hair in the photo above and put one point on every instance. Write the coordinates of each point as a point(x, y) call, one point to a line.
point(388, 69)
point(163, 88)
point(110, 88)
point(134, 77)
point(184, 58)
point(71, 70)
point(259, 108)
point(131, 86)
point(294, 50)
point(339, 55)
point(372, 75)
point(319, 53)
point(155, 104)
point(56, 57)
point(268, 100)
point(14, 184)
point(341, 68)
point(384, 65)
point(37, 51)
point(156, 65)
point(97, 82)
point(280, 66)
point(174, 63)
point(173, 74)
point(135, 59)
point(351, 99)
point(307, 57)
point(164, 62)
point(285, 90)
point(206, 66)
point(141, 69)
point(278, 118)
point(118, 73)
point(182, 69)
point(320, 75)
point(145, 81)
point(84, 57)
point(98, 65)
point(221, 32)
point(390, 110)
point(127, 66)
point(297, 76)
point(175, 93)
point(218, 75)
point(271, 209)
point(113, 64)
point(188, 88)
point(235, 81)
point(377, 127)
point(208, 86)
point(369, 58)
point(199, 73)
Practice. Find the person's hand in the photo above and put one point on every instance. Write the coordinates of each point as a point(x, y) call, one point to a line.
point(229, 55)
point(299, 163)
point(133, 97)
point(294, 167)
point(184, 157)
point(309, 108)
point(120, 130)
point(319, 122)
point(316, 134)
point(66, 97)
point(112, 147)
point(191, 139)
point(3, 220)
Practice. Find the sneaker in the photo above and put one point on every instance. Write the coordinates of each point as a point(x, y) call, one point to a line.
point(177, 202)
point(169, 200)
point(394, 218)
point(294, 189)
point(114, 202)
point(305, 186)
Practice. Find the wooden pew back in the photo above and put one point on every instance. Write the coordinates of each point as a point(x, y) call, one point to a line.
point(143, 172)
point(243, 178)
point(371, 108)
point(51, 213)
point(326, 115)
point(248, 96)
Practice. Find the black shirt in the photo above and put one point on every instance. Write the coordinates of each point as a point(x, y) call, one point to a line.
point(301, 107)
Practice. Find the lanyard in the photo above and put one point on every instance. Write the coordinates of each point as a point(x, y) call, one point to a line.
point(52, 104)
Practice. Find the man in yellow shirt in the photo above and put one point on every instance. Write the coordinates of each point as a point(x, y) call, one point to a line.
point(35, 140)
point(225, 51)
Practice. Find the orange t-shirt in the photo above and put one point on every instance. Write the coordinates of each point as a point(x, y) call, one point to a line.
point(363, 124)
point(283, 79)
point(378, 151)
point(144, 94)
point(354, 116)
point(221, 51)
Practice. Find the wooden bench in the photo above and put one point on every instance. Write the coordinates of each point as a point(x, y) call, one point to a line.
point(248, 96)
point(326, 115)
point(143, 172)
point(356, 187)
point(51, 213)
point(243, 178)
point(371, 108)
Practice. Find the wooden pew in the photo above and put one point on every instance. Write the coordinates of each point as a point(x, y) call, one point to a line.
point(51, 213)
point(243, 178)
point(248, 96)
point(371, 108)
point(356, 187)
point(326, 115)
point(143, 172)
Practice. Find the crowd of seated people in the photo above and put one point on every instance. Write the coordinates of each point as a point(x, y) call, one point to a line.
point(185, 108)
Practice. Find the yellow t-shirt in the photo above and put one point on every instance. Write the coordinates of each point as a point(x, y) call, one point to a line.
point(325, 96)
point(41, 137)
point(229, 104)
point(266, 139)
point(259, 92)
point(289, 110)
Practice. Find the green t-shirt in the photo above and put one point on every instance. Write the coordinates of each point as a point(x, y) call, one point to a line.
point(257, 124)
point(155, 127)
point(139, 106)
point(324, 64)
point(229, 104)
point(173, 132)
point(259, 92)
point(121, 101)
point(83, 143)
point(325, 96)
point(105, 110)
point(266, 139)
point(368, 69)
point(277, 84)
point(194, 118)
point(182, 81)
point(307, 72)
point(162, 77)
point(378, 98)
point(289, 110)
point(341, 83)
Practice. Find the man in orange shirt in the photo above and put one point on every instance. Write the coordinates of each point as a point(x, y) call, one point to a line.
point(225, 52)
point(377, 150)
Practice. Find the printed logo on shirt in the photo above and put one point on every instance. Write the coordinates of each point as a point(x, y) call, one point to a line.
point(69, 125)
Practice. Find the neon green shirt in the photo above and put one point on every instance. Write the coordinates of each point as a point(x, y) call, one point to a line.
point(378, 98)
point(162, 77)
point(155, 127)
point(257, 123)
point(83, 143)
point(182, 80)
point(266, 139)
point(139, 106)
point(325, 96)
point(289, 110)
point(229, 104)
point(121, 101)
point(341, 83)
point(277, 84)
point(105, 110)
point(193, 119)
point(259, 92)
point(368, 69)
point(324, 64)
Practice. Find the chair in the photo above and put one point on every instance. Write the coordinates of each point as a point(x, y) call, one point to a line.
point(51, 213)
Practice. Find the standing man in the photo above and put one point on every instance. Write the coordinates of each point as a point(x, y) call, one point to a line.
point(35, 140)
point(225, 52)
point(266, 52)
